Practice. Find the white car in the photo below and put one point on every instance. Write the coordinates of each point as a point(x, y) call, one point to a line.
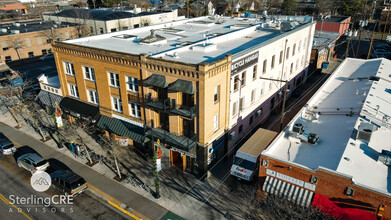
point(33, 162)
point(7, 147)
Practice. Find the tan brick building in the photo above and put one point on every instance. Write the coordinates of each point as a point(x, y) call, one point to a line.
point(170, 82)
point(31, 39)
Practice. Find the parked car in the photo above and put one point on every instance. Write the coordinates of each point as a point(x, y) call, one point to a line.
point(7, 147)
point(68, 182)
point(33, 162)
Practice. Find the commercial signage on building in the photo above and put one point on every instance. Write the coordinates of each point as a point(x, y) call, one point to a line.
point(291, 179)
point(244, 62)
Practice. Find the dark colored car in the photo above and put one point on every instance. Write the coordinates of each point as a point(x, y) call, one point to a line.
point(68, 182)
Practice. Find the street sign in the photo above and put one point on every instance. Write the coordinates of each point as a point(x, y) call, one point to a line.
point(159, 164)
point(59, 122)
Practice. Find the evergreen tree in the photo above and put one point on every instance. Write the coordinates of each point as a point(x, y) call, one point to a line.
point(289, 7)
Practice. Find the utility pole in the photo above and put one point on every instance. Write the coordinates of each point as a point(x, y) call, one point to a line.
point(385, 26)
point(373, 35)
point(283, 103)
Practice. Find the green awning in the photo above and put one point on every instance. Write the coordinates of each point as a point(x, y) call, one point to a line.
point(182, 86)
point(122, 128)
point(156, 80)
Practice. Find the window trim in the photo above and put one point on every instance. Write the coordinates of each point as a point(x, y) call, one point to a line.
point(89, 73)
point(95, 95)
point(136, 109)
point(216, 122)
point(119, 104)
point(132, 83)
point(73, 89)
point(114, 79)
point(66, 68)
point(216, 94)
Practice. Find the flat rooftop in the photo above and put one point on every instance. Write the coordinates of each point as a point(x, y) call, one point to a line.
point(27, 27)
point(348, 99)
point(324, 39)
point(192, 41)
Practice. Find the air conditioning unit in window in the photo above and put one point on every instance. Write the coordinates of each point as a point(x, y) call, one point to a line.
point(349, 191)
point(259, 113)
point(232, 135)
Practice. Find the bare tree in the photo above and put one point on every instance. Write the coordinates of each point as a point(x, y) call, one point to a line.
point(15, 43)
point(51, 34)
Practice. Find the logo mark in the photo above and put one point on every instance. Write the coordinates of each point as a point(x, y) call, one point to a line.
point(40, 181)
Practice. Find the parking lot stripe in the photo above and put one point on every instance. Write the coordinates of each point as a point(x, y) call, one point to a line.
point(9, 203)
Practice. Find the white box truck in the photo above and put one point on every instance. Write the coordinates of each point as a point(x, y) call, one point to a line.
point(246, 160)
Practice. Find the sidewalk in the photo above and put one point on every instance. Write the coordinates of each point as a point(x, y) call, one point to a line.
point(181, 193)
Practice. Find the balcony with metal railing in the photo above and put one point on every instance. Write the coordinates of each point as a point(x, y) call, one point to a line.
point(184, 110)
point(180, 142)
point(157, 103)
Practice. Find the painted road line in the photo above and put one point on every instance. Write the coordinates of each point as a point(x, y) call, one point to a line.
point(9, 203)
point(123, 210)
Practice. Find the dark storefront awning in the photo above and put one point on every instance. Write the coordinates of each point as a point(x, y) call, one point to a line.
point(48, 98)
point(182, 86)
point(122, 128)
point(156, 80)
point(79, 108)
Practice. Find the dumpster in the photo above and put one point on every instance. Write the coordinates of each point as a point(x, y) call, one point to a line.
point(325, 65)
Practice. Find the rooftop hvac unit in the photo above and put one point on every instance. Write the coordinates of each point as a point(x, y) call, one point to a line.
point(385, 157)
point(365, 131)
point(297, 127)
point(16, 24)
point(15, 32)
point(3, 30)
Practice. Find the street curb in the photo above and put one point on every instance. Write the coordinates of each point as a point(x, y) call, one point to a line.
point(117, 204)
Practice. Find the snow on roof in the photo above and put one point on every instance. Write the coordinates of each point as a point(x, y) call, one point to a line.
point(351, 97)
point(192, 41)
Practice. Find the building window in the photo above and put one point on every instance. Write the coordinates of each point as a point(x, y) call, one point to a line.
point(298, 48)
point(251, 119)
point(293, 50)
point(93, 96)
point(241, 103)
point(8, 59)
point(273, 60)
point(50, 50)
point(113, 30)
point(69, 68)
point(44, 52)
point(236, 83)
point(48, 40)
point(255, 70)
point(89, 73)
point(259, 112)
point(216, 94)
point(117, 104)
point(305, 40)
point(253, 96)
point(281, 55)
point(216, 122)
point(270, 86)
point(263, 86)
point(302, 61)
point(5, 48)
point(101, 30)
point(134, 110)
point(297, 64)
point(114, 79)
point(132, 84)
point(287, 53)
point(234, 106)
point(291, 68)
point(56, 91)
point(31, 54)
point(44, 87)
point(243, 81)
point(240, 129)
point(264, 66)
point(73, 90)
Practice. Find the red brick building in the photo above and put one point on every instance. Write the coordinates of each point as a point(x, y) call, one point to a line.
point(337, 24)
point(337, 146)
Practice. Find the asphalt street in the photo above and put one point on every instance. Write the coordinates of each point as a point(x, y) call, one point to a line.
point(15, 182)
